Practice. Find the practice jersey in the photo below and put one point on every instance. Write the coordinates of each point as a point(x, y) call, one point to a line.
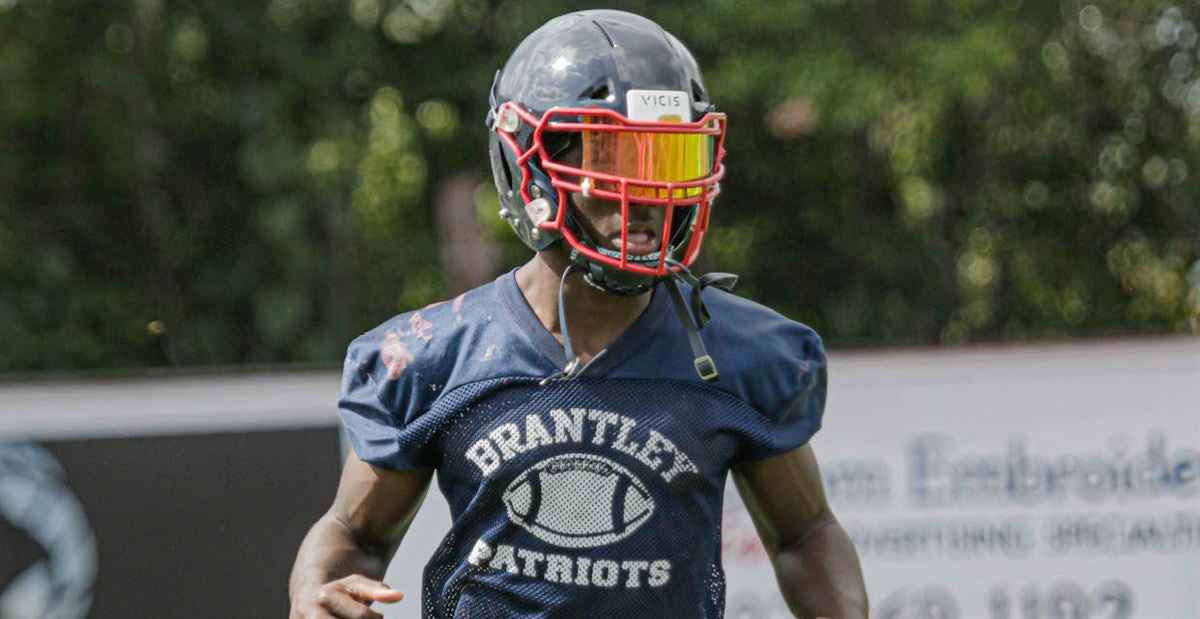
point(598, 495)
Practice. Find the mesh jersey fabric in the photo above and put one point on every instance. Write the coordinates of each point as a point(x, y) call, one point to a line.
point(584, 497)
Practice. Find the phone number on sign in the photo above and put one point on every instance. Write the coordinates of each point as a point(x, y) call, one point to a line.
point(1064, 599)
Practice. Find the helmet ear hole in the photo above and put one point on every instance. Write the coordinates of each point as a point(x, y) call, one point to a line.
point(600, 91)
point(506, 169)
point(700, 96)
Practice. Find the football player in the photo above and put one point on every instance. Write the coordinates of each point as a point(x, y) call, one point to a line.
point(585, 466)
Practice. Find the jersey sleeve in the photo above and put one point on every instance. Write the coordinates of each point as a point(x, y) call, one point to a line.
point(379, 404)
point(789, 393)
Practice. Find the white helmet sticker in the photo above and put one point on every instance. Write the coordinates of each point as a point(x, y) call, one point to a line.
point(653, 105)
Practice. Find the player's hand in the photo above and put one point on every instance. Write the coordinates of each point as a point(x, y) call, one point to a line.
point(345, 598)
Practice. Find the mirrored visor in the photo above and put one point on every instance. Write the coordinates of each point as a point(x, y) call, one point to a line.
point(647, 156)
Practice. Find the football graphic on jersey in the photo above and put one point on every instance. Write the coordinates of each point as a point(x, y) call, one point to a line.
point(578, 501)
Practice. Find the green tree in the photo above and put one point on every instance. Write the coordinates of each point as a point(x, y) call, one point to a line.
point(238, 183)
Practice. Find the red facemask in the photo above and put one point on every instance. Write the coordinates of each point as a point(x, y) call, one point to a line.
point(663, 164)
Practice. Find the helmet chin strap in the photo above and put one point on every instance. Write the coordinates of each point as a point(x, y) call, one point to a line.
point(574, 364)
point(697, 316)
point(693, 318)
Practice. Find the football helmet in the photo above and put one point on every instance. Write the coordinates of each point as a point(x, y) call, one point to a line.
point(626, 101)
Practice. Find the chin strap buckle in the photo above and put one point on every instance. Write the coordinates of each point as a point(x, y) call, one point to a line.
point(704, 364)
point(707, 368)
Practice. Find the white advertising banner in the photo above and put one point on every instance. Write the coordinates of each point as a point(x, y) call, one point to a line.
point(1017, 482)
point(1022, 482)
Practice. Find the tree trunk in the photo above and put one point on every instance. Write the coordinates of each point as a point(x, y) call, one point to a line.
point(469, 256)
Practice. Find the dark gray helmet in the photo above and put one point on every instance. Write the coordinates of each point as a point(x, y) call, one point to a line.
point(596, 61)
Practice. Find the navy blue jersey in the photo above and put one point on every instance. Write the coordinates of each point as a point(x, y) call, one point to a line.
point(593, 496)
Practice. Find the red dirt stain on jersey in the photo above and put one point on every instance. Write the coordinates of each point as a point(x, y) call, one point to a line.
point(457, 306)
point(420, 327)
point(432, 305)
point(394, 354)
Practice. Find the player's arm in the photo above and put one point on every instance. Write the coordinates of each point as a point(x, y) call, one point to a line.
point(815, 561)
point(344, 556)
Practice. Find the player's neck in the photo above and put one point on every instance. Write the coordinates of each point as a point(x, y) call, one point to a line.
point(595, 317)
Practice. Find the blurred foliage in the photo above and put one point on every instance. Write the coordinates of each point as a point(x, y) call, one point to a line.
point(228, 182)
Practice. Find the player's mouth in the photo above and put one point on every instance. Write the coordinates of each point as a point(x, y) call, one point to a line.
point(640, 241)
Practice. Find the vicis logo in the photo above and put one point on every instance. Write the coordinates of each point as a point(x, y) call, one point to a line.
point(578, 501)
point(661, 99)
point(674, 105)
